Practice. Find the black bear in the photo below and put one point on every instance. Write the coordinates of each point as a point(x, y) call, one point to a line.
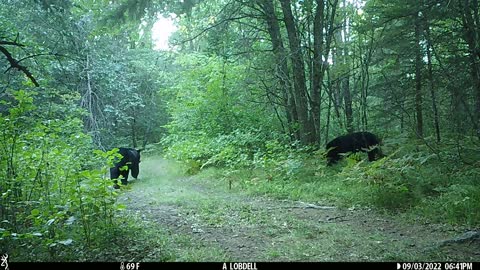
point(130, 161)
point(354, 142)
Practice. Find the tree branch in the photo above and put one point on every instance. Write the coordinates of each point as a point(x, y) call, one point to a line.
point(14, 43)
point(14, 63)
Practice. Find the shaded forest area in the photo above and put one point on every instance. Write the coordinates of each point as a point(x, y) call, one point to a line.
point(252, 89)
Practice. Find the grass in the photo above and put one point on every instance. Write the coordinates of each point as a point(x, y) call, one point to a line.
point(228, 203)
point(401, 186)
point(222, 215)
point(161, 184)
point(147, 241)
point(126, 240)
point(226, 215)
point(313, 239)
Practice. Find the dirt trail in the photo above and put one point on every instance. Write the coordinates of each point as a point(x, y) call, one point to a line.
point(246, 228)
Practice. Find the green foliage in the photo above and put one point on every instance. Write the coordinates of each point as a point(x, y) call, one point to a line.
point(212, 124)
point(456, 204)
point(131, 113)
point(224, 100)
point(109, 72)
point(238, 149)
point(55, 198)
point(409, 180)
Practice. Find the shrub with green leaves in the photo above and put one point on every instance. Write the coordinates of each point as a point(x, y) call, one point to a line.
point(212, 121)
point(54, 195)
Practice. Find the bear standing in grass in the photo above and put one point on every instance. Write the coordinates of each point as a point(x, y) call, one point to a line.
point(354, 142)
point(130, 161)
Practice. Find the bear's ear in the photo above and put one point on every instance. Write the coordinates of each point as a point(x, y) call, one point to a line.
point(139, 150)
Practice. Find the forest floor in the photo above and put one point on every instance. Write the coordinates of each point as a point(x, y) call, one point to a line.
point(203, 220)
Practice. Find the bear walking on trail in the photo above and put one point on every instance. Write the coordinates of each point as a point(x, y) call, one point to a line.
point(354, 142)
point(130, 161)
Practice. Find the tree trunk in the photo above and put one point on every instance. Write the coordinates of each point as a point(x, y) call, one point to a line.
point(282, 71)
point(317, 78)
point(365, 59)
point(329, 109)
point(307, 128)
point(418, 76)
point(431, 80)
point(471, 26)
point(342, 81)
point(88, 102)
point(347, 98)
point(134, 129)
point(334, 93)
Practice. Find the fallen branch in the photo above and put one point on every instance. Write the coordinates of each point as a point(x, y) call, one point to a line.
point(468, 237)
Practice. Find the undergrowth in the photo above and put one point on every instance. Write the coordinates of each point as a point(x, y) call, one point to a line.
point(435, 184)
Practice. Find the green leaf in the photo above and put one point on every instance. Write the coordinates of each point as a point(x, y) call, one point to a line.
point(35, 212)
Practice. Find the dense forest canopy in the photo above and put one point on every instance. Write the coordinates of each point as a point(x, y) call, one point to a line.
point(245, 84)
point(314, 68)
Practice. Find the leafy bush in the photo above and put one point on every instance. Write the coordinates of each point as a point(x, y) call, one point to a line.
point(235, 150)
point(54, 195)
point(212, 121)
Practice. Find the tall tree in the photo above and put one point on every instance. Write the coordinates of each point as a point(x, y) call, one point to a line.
point(307, 128)
point(431, 79)
point(418, 74)
point(282, 71)
point(469, 12)
point(318, 64)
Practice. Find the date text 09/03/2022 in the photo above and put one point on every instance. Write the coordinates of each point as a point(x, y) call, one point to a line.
point(435, 266)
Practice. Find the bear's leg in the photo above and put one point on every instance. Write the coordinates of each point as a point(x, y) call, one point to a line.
point(332, 159)
point(134, 160)
point(115, 184)
point(372, 155)
point(114, 174)
point(125, 176)
point(135, 170)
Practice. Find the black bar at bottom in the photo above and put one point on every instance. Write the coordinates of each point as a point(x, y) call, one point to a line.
point(242, 265)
